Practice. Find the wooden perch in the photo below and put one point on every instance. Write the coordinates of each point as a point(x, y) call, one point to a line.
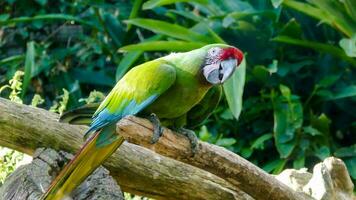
point(217, 160)
point(137, 169)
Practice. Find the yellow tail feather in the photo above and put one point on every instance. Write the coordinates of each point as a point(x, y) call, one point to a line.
point(80, 167)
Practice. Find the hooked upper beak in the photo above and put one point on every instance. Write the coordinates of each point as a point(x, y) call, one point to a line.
point(219, 72)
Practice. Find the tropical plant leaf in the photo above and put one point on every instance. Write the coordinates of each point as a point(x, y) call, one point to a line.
point(172, 30)
point(114, 29)
point(349, 46)
point(349, 91)
point(316, 46)
point(233, 89)
point(155, 3)
point(288, 118)
point(47, 17)
point(163, 46)
point(134, 11)
point(11, 59)
point(29, 66)
point(346, 151)
point(127, 62)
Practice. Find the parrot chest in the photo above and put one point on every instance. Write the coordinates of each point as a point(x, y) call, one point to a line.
point(182, 96)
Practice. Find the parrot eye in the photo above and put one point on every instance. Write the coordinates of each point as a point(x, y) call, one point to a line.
point(213, 52)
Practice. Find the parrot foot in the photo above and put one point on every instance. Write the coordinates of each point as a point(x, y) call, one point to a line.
point(193, 139)
point(157, 128)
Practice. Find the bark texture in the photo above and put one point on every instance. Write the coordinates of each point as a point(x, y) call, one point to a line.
point(137, 169)
point(32, 180)
point(217, 160)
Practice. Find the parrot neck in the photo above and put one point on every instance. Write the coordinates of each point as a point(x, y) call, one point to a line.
point(190, 62)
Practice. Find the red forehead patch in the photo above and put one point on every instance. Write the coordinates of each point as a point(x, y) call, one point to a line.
point(232, 53)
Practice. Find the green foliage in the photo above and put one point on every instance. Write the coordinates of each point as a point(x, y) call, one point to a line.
point(234, 88)
point(15, 86)
point(94, 96)
point(37, 100)
point(61, 106)
point(299, 92)
point(9, 160)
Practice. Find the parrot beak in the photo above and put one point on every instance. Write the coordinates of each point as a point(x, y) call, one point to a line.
point(219, 72)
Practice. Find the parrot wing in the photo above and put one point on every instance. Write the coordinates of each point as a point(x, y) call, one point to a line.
point(204, 108)
point(134, 92)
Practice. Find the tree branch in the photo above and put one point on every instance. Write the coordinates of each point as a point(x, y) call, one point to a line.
point(137, 169)
point(217, 160)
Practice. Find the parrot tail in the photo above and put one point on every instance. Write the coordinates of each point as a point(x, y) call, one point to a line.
point(90, 157)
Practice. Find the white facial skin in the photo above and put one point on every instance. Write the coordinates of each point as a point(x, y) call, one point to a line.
point(217, 71)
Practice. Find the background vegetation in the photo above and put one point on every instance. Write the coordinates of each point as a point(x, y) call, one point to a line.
point(299, 101)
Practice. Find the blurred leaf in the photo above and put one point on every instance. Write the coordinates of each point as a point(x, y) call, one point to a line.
point(155, 3)
point(321, 123)
point(188, 15)
point(275, 165)
point(323, 152)
point(331, 12)
point(204, 134)
point(14, 21)
point(114, 29)
point(226, 142)
point(128, 60)
point(306, 8)
point(285, 91)
point(227, 114)
point(349, 45)
point(351, 166)
point(92, 77)
point(336, 16)
point(288, 118)
point(348, 91)
point(216, 38)
point(328, 81)
point(316, 46)
point(259, 142)
point(11, 59)
point(241, 17)
point(233, 89)
point(4, 17)
point(312, 131)
point(279, 167)
point(273, 67)
point(350, 6)
point(261, 73)
point(287, 68)
point(276, 3)
point(172, 30)
point(163, 46)
point(41, 2)
point(292, 29)
point(299, 163)
point(346, 152)
point(134, 12)
point(246, 152)
point(29, 66)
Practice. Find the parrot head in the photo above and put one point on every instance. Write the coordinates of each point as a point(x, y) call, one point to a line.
point(220, 62)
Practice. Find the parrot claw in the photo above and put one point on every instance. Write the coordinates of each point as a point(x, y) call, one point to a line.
point(157, 128)
point(193, 139)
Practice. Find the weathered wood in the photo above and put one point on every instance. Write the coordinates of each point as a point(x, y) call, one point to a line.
point(137, 169)
point(30, 181)
point(217, 160)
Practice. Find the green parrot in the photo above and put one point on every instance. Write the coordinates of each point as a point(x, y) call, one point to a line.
point(178, 90)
